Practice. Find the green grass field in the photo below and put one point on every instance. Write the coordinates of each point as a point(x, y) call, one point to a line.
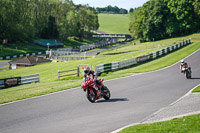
point(21, 48)
point(149, 45)
point(197, 89)
point(189, 124)
point(73, 43)
point(49, 71)
point(114, 23)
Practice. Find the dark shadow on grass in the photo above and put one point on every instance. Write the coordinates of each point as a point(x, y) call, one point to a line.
point(114, 100)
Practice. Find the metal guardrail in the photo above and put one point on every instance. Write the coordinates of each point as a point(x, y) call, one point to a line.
point(30, 79)
point(73, 58)
point(133, 61)
point(96, 45)
point(15, 81)
point(20, 55)
point(63, 73)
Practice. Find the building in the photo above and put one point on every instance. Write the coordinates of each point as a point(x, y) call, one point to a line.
point(27, 61)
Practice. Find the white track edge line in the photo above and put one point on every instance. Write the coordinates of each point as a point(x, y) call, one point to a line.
point(105, 81)
point(157, 112)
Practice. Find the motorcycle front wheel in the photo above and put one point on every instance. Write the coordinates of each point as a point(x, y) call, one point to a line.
point(106, 93)
point(188, 74)
point(91, 95)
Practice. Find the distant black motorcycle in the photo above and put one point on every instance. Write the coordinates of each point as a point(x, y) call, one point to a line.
point(187, 71)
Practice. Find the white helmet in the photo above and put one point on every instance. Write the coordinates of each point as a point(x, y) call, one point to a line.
point(182, 61)
point(86, 70)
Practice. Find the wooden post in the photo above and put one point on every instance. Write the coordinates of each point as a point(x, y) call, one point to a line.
point(58, 74)
point(38, 78)
point(78, 71)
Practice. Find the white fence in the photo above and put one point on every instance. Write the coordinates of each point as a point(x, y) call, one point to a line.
point(15, 81)
point(21, 55)
point(30, 79)
point(133, 61)
point(97, 45)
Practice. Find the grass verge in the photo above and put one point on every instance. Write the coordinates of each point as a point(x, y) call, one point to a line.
point(21, 48)
point(197, 89)
point(189, 124)
point(48, 72)
point(4, 68)
point(114, 23)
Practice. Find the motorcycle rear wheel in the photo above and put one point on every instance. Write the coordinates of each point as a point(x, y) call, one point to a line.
point(91, 95)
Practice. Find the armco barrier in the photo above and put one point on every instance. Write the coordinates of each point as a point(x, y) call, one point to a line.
point(68, 73)
point(20, 55)
point(14, 81)
point(127, 63)
point(108, 67)
point(96, 45)
point(114, 66)
point(142, 59)
point(130, 62)
point(30, 79)
point(99, 68)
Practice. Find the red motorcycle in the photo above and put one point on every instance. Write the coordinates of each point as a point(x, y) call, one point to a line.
point(93, 94)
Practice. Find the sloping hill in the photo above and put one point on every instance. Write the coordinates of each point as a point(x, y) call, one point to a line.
point(114, 23)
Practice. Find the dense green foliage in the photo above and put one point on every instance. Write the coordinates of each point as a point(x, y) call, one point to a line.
point(110, 9)
point(158, 19)
point(26, 19)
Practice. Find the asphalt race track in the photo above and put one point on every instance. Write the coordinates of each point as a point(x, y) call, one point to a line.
point(132, 100)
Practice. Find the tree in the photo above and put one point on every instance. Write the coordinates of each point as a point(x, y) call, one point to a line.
point(136, 26)
point(51, 30)
point(87, 20)
point(131, 10)
point(196, 5)
point(158, 19)
point(123, 11)
point(148, 22)
point(184, 12)
point(27, 19)
point(110, 9)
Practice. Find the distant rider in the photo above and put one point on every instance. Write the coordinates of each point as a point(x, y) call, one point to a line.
point(91, 74)
point(184, 64)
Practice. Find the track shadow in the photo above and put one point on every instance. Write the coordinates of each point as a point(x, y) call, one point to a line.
point(195, 78)
point(114, 100)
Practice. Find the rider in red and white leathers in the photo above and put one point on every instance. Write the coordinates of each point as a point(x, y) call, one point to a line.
point(183, 64)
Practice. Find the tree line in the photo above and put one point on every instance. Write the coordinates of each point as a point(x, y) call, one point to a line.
point(158, 19)
point(22, 20)
point(113, 10)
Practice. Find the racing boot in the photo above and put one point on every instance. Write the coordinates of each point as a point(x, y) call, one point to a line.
point(95, 87)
